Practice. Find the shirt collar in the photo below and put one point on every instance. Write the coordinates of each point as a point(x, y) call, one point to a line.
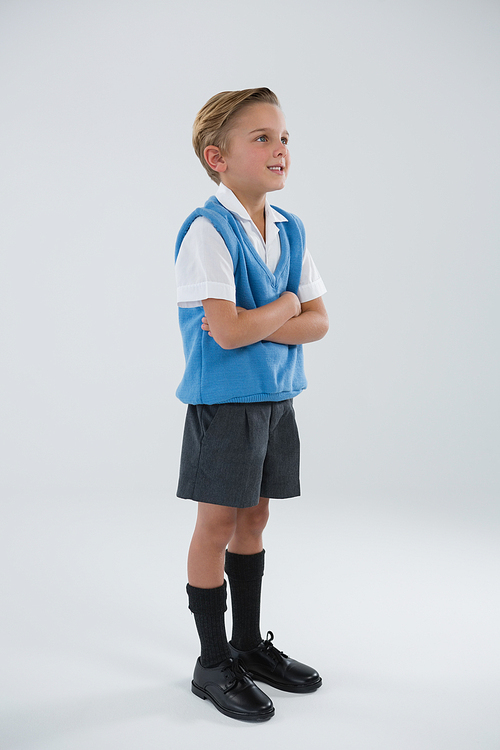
point(228, 199)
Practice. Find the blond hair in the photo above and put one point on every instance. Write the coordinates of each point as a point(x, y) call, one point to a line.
point(213, 122)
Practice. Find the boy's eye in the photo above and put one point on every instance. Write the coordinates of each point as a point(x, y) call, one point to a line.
point(264, 138)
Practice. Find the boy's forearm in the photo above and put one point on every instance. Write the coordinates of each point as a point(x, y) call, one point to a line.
point(311, 325)
point(307, 327)
point(255, 325)
point(233, 327)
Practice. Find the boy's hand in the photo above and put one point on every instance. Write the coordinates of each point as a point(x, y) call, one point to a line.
point(297, 305)
point(206, 325)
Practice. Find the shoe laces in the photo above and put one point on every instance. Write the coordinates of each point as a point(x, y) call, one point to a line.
point(270, 648)
point(235, 667)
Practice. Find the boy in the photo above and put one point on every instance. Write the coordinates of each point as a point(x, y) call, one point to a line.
point(249, 296)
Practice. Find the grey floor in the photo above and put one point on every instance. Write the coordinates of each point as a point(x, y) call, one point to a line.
point(398, 610)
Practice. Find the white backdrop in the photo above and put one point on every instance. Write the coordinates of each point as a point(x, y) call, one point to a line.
point(394, 114)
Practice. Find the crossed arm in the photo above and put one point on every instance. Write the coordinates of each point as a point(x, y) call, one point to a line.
point(284, 321)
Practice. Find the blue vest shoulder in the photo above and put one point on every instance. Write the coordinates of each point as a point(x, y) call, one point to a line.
point(231, 230)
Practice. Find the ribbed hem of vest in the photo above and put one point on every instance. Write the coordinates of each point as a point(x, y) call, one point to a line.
point(263, 397)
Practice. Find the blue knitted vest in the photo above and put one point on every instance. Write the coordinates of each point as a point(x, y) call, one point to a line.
point(263, 371)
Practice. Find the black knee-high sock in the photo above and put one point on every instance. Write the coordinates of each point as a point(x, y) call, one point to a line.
point(208, 607)
point(245, 579)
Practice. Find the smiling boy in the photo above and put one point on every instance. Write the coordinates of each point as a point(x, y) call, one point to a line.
point(249, 296)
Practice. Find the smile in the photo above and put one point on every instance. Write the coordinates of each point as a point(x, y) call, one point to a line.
point(277, 169)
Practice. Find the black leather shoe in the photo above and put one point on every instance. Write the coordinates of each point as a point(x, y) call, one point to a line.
point(267, 664)
point(232, 691)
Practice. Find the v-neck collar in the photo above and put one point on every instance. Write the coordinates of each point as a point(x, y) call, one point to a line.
point(227, 198)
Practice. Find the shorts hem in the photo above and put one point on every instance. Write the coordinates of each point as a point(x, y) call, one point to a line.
point(210, 501)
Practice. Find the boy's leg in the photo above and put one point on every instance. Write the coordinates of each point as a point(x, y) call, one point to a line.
point(215, 526)
point(245, 568)
point(216, 676)
point(206, 589)
point(250, 525)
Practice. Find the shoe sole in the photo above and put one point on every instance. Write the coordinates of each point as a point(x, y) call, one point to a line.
point(286, 688)
point(226, 711)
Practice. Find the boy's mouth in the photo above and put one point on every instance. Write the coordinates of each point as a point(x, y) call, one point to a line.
point(278, 168)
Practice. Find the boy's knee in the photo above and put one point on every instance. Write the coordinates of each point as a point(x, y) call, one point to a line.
point(262, 516)
point(218, 526)
point(221, 534)
point(254, 520)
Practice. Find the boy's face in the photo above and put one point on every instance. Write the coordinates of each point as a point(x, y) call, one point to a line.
point(257, 160)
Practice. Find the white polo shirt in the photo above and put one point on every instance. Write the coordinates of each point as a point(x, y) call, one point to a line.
point(204, 267)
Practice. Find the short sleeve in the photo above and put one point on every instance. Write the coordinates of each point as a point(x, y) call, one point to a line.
point(204, 267)
point(311, 284)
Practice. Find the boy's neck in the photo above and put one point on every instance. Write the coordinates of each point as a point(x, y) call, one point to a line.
point(256, 208)
point(258, 217)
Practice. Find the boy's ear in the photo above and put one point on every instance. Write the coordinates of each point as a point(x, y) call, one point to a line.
point(214, 158)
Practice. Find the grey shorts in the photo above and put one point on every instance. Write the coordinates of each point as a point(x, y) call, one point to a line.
point(233, 454)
